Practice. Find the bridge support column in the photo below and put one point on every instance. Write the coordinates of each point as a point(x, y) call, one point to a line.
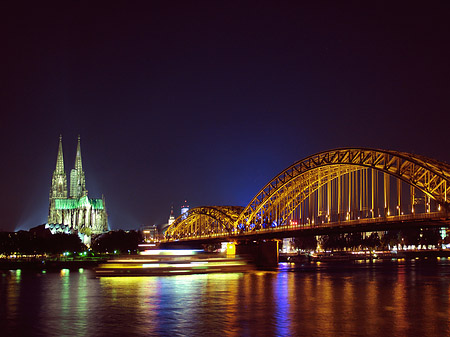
point(264, 253)
point(231, 249)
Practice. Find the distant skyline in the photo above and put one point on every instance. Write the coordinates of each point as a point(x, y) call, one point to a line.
point(208, 101)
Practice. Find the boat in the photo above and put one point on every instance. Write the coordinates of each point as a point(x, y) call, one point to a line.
point(332, 257)
point(172, 262)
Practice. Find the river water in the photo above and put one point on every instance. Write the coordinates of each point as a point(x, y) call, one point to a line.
point(407, 298)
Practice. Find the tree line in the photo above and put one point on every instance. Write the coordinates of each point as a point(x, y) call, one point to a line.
point(356, 241)
point(28, 243)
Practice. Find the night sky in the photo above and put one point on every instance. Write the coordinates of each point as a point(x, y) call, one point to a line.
point(209, 100)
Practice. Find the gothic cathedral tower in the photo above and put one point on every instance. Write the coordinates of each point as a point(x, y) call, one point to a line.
point(77, 178)
point(58, 189)
point(77, 212)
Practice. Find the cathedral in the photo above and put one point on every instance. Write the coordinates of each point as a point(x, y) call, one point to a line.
point(77, 211)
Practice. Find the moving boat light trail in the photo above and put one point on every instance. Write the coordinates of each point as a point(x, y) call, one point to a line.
point(344, 187)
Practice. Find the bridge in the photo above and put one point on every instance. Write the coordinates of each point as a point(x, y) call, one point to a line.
point(340, 190)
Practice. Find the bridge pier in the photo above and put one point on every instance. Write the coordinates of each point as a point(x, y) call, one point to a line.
point(263, 253)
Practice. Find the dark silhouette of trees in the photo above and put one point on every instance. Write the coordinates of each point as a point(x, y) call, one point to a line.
point(30, 243)
point(430, 237)
point(43, 242)
point(333, 241)
point(391, 239)
point(59, 243)
point(305, 242)
point(372, 241)
point(354, 241)
point(410, 236)
point(6, 243)
point(120, 241)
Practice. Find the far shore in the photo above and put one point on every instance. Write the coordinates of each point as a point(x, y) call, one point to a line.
point(47, 263)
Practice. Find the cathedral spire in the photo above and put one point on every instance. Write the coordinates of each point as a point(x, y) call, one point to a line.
point(59, 180)
point(78, 163)
point(77, 178)
point(60, 158)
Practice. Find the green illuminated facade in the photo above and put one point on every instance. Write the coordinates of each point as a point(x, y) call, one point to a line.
point(78, 211)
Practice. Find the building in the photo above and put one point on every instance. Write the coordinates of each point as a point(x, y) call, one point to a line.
point(171, 217)
point(150, 233)
point(171, 220)
point(77, 211)
point(184, 210)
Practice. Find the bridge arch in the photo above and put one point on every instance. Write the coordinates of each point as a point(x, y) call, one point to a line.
point(276, 203)
point(300, 180)
point(204, 220)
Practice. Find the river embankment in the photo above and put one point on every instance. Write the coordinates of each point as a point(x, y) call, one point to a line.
point(337, 256)
point(48, 264)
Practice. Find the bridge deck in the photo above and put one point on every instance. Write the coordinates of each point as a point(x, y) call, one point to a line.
point(433, 219)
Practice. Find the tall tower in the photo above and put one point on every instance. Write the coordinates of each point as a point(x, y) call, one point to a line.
point(184, 210)
point(77, 178)
point(171, 217)
point(59, 179)
point(58, 190)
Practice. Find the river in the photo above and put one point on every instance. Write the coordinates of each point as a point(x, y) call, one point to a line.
point(406, 298)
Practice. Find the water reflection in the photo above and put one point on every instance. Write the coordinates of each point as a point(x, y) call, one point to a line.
point(282, 297)
point(155, 305)
point(365, 300)
point(11, 294)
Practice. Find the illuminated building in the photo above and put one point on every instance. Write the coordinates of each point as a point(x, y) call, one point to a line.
point(184, 210)
point(171, 217)
point(150, 233)
point(171, 220)
point(78, 211)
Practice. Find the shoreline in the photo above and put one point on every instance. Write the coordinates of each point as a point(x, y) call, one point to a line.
point(342, 256)
point(335, 257)
point(43, 264)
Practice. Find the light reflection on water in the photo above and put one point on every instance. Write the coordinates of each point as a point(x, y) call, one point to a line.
point(395, 299)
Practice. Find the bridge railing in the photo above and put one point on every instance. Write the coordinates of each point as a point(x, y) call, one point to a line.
point(442, 215)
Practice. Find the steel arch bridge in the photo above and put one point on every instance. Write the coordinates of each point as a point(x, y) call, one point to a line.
point(205, 220)
point(335, 186)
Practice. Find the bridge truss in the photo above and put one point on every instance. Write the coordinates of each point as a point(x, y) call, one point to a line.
point(205, 221)
point(336, 186)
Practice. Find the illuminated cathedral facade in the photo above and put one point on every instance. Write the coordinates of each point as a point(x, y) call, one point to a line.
point(76, 211)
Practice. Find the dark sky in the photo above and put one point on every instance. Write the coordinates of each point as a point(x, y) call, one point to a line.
point(207, 101)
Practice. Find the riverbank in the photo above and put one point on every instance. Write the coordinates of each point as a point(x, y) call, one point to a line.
point(89, 263)
point(49, 264)
point(365, 255)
